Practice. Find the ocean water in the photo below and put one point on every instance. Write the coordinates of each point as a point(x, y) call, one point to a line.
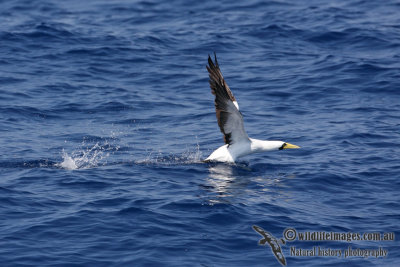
point(106, 115)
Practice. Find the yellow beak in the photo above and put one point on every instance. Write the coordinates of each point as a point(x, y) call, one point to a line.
point(287, 145)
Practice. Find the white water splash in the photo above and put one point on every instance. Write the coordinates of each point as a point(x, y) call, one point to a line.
point(193, 156)
point(88, 157)
point(68, 162)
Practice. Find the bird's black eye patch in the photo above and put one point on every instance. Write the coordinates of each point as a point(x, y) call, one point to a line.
point(283, 146)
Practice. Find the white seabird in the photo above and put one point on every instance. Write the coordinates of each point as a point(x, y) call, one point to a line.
point(230, 121)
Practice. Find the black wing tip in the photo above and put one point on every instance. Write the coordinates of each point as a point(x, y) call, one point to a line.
point(215, 59)
point(210, 61)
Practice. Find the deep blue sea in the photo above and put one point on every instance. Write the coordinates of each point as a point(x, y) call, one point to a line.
point(106, 115)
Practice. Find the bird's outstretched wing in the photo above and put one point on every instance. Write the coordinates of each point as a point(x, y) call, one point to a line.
point(230, 120)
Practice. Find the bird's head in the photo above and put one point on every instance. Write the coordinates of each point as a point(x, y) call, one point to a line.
point(285, 145)
point(260, 145)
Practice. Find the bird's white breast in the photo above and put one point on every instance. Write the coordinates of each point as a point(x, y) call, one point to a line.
point(229, 153)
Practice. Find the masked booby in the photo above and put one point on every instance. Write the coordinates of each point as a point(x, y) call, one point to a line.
point(230, 122)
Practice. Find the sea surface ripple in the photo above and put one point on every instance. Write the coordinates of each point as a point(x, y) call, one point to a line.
point(106, 115)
